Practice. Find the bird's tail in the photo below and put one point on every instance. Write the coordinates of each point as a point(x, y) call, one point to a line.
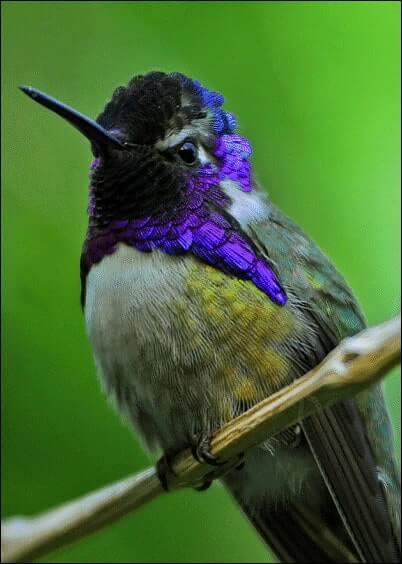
point(297, 534)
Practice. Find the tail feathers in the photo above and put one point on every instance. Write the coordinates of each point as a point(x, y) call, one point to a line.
point(297, 534)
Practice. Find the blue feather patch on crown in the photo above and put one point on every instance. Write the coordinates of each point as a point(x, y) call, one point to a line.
point(224, 122)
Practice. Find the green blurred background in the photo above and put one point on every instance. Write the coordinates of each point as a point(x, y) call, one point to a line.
point(316, 87)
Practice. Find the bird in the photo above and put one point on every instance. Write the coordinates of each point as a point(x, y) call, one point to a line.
point(201, 298)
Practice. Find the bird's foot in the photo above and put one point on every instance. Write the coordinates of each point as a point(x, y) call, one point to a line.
point(164, 467)
point(200, 448)
point(237, 463)
point(205, 484)
point(200, 445)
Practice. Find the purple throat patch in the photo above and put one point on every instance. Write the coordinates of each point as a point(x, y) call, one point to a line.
point(199, 226)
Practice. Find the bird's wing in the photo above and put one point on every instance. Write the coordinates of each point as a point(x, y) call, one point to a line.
point(349, 461)
point(343, 453)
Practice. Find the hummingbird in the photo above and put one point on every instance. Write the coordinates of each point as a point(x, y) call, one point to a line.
point(201, 298)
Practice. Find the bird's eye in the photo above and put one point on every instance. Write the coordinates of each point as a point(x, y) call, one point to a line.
point(188, 153)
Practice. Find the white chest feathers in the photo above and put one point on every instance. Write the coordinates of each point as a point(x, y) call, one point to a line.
point(125, 283)
point(129, 322)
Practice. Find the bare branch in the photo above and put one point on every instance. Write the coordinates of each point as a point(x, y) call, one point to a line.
point(355, 364)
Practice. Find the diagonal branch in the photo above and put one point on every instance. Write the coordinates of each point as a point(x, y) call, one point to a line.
point(355, 364)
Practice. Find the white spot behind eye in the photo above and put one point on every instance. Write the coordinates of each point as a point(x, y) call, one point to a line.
point(203, 156)
point(247, 207)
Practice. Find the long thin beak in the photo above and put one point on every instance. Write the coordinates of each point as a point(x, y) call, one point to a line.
point(100, 137)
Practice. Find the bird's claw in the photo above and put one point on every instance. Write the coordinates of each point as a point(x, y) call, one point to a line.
point(236, 463)
point(205, 484)
point(200, 447)
point(164, 468)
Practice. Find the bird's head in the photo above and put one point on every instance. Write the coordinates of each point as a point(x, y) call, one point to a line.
point(170, 173)
point(160, 139)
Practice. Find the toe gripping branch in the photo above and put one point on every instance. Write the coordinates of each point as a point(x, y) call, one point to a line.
point(200, 445)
